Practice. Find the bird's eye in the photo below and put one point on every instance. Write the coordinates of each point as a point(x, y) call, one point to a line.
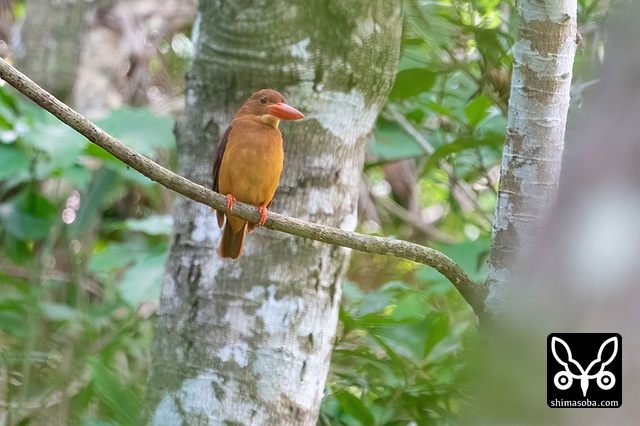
point(263, 100)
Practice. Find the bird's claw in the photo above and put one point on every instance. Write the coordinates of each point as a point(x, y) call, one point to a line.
point(230, 201)
point(263, 214)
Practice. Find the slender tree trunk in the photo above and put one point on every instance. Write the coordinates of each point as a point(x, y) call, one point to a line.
point(249, 341)
point(583, 276)
point(49, 43)
point(543, 59)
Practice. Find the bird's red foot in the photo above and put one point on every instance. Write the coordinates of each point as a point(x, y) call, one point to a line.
point(230, 200)
point(263, 214)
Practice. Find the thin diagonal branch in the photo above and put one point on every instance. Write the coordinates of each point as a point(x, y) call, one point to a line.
point(465, 189)
point(473, 292)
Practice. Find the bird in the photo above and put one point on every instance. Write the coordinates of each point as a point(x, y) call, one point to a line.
point(248, 163)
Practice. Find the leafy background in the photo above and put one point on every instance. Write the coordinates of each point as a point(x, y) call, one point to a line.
point(84, 239)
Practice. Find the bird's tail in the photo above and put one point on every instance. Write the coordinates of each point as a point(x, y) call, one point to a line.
point(231, 243)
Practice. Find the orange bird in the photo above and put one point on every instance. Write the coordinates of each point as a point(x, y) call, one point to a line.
point(248, 163)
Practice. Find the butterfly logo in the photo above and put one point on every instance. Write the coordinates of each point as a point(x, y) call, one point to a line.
point(564, 379)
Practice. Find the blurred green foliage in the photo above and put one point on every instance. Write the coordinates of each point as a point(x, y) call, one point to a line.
point(405, 349)
point(84, 243)
point(84, 239)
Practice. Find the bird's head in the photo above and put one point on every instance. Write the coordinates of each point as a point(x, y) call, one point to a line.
point(269, 107)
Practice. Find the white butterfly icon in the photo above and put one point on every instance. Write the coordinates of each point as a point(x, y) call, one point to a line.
point(564, 379)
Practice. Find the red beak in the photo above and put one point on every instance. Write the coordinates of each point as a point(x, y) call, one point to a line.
point(284, 112)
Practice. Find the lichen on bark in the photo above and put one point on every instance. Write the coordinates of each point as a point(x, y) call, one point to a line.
point(542, 69)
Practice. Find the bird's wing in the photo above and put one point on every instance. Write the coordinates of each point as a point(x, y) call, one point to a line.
point(217, 161)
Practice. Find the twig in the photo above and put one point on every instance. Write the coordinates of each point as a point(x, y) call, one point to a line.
point(430, 230)
point(473, 292)
point(408, 127)
point(465, 190)
point(465, 68)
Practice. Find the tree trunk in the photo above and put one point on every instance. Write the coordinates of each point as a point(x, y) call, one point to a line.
point(249, 341)
point(592, 245)
point(583, 276)
point(48, 46)
point(542, 67)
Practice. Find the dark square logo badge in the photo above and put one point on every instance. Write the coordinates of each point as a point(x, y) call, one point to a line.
point(584, 370)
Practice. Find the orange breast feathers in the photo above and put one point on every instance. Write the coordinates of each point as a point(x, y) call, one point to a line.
point(248, 163)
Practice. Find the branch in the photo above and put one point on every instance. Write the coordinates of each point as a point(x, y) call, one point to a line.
point(473, 293)
point(464, 188)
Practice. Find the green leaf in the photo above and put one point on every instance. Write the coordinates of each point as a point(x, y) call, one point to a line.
point(438, 330)
point(458, 146)
point(406, 339)
point(97, 152)
point(492, 125)
point(8, 100)
point(143, 281)
point(91, 200)
point(151, 225)
point(411, 306)
point(471, 256)
point(12, 161)
point(118, 255)
point(478, 109)
point(13, 324)
point(13, 304)
point(492, 44)
point(350, 291)
point(433, 32)
point(413, 55)
point(393, 143)
point(140, 129)
point(379, 319)
point(28, 216)
point(352, 405)
point(62, 144)
point(440, 109)
point(7, 117)
point(78, 176)
point(57, 311)
point(412, 82)
point(395, 358)
point(16, 250)
point(12, 316)
point(122, 401)
point(373, 302)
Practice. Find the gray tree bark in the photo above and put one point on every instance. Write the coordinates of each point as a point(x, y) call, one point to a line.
point(249, 341)
point(542, 68)
point(583, 275)
point(49, 44)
